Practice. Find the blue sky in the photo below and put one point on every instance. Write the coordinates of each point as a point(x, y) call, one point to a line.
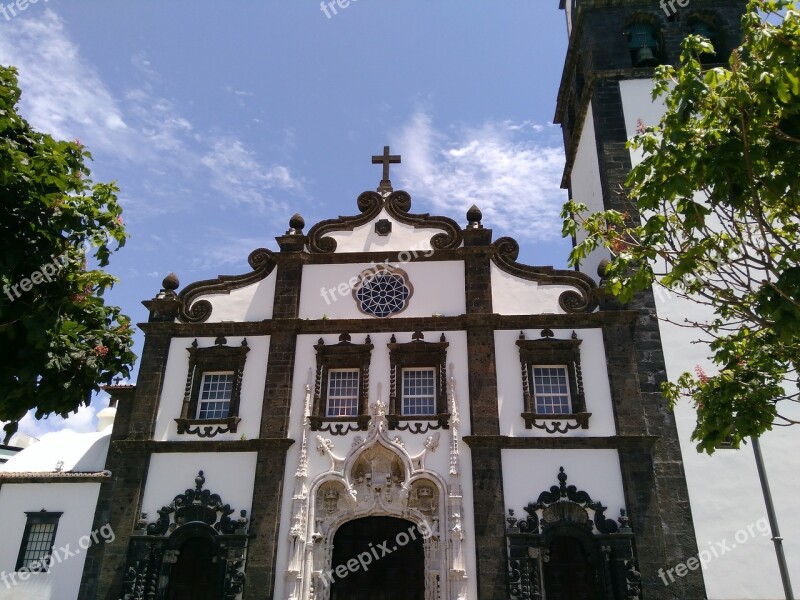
point(219, 120)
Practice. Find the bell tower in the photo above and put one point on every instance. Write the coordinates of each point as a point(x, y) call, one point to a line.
point(605, 90)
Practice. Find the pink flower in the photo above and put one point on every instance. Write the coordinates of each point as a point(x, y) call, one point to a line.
point(640, 127)
point(701, 375)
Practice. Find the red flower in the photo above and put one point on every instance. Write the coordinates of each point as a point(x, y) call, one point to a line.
point(101, 350)
point(701, 375)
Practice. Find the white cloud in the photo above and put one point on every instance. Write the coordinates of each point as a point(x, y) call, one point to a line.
point(512, 171)
point(237, 174)
point(61, 94)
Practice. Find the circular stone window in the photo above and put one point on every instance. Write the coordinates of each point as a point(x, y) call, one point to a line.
point(382, 291)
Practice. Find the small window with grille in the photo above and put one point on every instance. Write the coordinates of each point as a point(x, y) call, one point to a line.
point(342, 393)
point(215, 395)
point(419, 392)
point(37, 541)
point(551, 390)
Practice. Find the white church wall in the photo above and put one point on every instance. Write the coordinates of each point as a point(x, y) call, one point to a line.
point(250, 303)
point(587, 187)
point(77, 502)
point(229, 474)
point(512, 295)
point(173, 390)
point(527, 473)
point(595, 384)
point(402, 237)
point(723, 488)
point(437, 461)
point(438, 289)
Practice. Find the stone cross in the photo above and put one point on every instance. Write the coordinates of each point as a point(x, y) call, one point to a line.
point(385, 159)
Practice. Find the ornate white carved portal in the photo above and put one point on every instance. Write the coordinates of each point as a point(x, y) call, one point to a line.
point(377, 477)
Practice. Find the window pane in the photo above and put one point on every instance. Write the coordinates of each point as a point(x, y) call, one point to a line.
point(215, 396)
point(343, 393)
point(551, 391)
point(37, 543)
point(419, 396)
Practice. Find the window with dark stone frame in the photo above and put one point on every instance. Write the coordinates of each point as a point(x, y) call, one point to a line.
point(38, 540)
point(422, 355)
point(335, 357)
point(549, 352)
point(216, 359)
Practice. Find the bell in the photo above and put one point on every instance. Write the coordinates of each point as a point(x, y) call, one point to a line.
point(644, 57)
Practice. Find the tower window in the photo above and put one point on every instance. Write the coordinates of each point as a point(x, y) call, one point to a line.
point(709, 32)
point(643, 45)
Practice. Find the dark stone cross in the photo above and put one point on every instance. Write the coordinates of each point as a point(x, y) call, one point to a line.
point(386, 159)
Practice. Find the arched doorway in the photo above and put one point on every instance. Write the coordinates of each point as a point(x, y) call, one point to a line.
point(393, 551)
point(568, 575)
point(195, 575)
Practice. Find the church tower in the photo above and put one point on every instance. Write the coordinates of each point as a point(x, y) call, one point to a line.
point(605, 90)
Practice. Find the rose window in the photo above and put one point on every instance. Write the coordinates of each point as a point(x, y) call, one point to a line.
point(383, 294)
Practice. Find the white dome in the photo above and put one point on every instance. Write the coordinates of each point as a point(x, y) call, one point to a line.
point(65, 451)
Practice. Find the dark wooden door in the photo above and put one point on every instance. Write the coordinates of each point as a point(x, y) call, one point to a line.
point(568, 575)
point(195, 576)
point(398, 575)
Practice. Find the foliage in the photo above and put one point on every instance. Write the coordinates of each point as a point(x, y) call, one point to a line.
point(714, 217)
point(60, 341)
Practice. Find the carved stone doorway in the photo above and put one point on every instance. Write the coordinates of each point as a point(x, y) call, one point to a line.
point(396, 575)
point(195, 574)
point(568, 575)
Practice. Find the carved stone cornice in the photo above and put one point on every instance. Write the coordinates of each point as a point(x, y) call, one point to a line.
point(261, 260)
point(397, 204)
point(571, 301)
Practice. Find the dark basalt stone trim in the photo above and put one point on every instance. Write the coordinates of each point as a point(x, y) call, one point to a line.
point(393, 325)
point(124, 446)
point(11, 478)
point(616, 442)
point(397, 204)
point(557, 423)
point(370, 205)
point(582, 300)
point(261, 260)
point(204, 428)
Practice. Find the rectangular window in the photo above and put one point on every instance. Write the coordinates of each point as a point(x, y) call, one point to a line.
point(215, 395)
point(37, 541)
point(419, 392)
point(342, 393)
point(551, 390)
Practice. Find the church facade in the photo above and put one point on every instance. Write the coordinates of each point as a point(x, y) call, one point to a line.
point(391, 406)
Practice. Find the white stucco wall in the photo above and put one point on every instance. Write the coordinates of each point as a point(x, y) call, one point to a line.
point(438, 289)
point(595, 384)
point(77, 502)
point(586, 186)
point(724, 489)
point(251, 303)
point(512, 295)
point(527, 473)
point(252, 396)
point(229, 474)
point(438, 461)
point(402, 237)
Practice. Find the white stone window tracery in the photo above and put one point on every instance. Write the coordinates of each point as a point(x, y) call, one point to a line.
point(383, 291)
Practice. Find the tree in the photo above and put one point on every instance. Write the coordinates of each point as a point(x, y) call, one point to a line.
point(60, 341)
point(714, 218)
